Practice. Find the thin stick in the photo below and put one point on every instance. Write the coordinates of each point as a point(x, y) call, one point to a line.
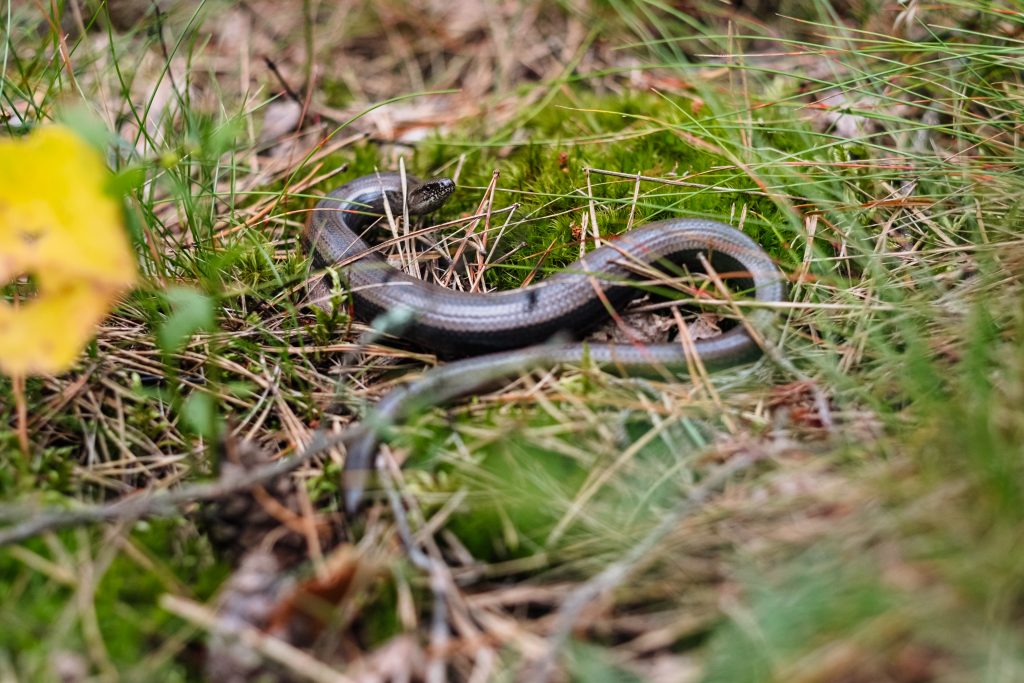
point(140, 505)
point(18, 389)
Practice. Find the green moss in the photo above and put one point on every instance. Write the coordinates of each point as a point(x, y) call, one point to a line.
point(336, 92)
point(548, 176)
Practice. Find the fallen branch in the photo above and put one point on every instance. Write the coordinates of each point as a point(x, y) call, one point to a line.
point(146, 504)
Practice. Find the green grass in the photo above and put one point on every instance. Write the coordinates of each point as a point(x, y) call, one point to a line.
point(878, 542)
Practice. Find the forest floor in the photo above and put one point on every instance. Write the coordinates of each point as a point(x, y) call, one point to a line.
point(849, 508)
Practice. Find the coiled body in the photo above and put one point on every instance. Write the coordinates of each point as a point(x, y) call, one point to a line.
point(453, 323)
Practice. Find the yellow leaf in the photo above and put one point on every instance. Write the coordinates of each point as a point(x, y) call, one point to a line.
point(59, 224)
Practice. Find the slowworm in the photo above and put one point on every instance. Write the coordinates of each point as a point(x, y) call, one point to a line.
point(502, 334)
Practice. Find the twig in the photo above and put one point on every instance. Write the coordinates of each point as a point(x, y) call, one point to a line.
point(18, 389)
point(572, 608)
point(449, 604)
point(285, 85)
point(440, 582)
point(165, 502)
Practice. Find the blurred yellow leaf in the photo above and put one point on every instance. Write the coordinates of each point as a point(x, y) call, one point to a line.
point(58, 223)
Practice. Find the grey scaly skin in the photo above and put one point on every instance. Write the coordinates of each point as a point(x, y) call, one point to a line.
point(510, 328)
